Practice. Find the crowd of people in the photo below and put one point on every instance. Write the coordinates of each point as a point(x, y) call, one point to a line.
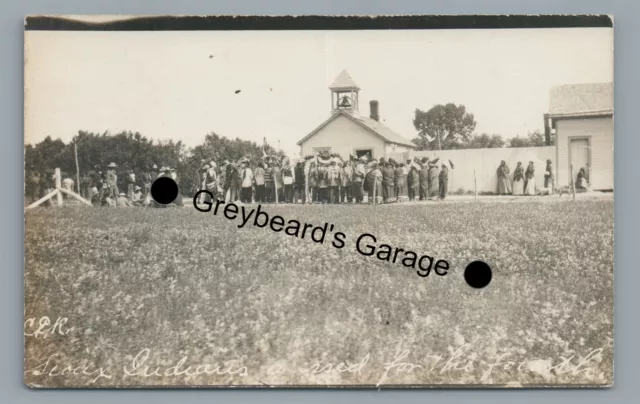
point(325, 180)
point(523, 181)
point(313, 179)
point(102, 187)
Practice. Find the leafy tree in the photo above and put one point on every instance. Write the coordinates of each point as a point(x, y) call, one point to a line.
point(533, 139)
point(484, 141)
point(443, 127)
point(132, 151)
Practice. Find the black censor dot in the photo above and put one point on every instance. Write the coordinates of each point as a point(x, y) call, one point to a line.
point(164, 190)
point(477, 274)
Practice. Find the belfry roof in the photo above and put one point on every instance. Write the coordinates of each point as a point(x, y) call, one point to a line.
point(344, 81)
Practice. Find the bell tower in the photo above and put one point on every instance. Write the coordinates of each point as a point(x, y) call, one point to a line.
point(344, 94)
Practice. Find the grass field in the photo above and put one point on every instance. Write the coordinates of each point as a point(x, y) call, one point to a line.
point(260, 307)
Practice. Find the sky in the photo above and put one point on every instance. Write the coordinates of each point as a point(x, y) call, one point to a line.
point(182, 85)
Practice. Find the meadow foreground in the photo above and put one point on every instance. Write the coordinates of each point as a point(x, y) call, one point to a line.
point(175, 296)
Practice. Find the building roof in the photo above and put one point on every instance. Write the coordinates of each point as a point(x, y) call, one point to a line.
point(373, 126)
point(581, 99)
point(344, 81)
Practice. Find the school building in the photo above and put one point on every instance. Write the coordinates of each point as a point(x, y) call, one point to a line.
point(348, 132)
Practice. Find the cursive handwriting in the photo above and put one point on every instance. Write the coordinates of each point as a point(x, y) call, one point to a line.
point(44, 327)
point(138, 367)
point(51, 369)
point(342, 367)
point(460, 360)
point(397, 365)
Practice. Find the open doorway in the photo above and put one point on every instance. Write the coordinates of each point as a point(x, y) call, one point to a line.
point(364, 152)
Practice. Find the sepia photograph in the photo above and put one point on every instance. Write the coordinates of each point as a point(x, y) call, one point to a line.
point(361, 208)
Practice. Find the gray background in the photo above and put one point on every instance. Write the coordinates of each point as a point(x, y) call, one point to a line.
point(627, 141)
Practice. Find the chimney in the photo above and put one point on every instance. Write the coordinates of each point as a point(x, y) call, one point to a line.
point(373, 106)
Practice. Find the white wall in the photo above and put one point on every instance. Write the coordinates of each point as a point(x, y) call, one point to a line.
point(485, 162)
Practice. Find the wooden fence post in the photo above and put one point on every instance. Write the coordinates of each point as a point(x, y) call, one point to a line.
point(75, 152)
point(58, 181)
point(475, 185)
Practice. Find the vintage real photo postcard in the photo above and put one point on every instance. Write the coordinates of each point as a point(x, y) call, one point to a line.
point(318, 201)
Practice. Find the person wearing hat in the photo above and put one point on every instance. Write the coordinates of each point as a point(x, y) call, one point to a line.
point(313, 182)
point(230, 181)
point(173, 174)
point(398, 182)
point(346, 178)
point(112, 180)
point(299, 184)
point(259, 178)
point(203, 183)
point(334, 181)
point(136, 196)
point(153, 173)
point(95, 197)
point(374, 183)
point(323, 183)
point(122, 201)
point(146, 179)
point(358, 180)
point(246, 176)
point(278, 181)
point(130, 183)
point(387, 181)
point(288, 178)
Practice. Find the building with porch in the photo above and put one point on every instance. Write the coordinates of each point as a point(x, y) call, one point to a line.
point(347, 132)
point(581, 117)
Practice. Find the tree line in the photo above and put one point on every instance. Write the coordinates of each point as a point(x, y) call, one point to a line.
point(137, 153)
point(443, 127)
point(450, 126)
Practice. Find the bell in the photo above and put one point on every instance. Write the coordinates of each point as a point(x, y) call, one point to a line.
point(345, 102)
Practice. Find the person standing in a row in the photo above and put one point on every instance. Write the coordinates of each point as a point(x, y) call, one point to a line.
point(346, 179)
point(413, 182)
point(518, 180)
point(288, 178)
point(112, 181)
point(299, 176)
point(259, 178)
point(399, 182)
point(423, 177)
point(504, 183)
point(358, 181)
point(246, 176)
point(443, 182)
point(530, 180)
point(388, 176)
point(548, 176)
point(373, 182)
point(434, 181)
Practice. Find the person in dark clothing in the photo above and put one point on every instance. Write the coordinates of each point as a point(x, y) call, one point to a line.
point(387, 182)
point(414, 182)
point(299, 191)
point(423, 176)
point(398, 181)
point(443, 181)
point(268, 184)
